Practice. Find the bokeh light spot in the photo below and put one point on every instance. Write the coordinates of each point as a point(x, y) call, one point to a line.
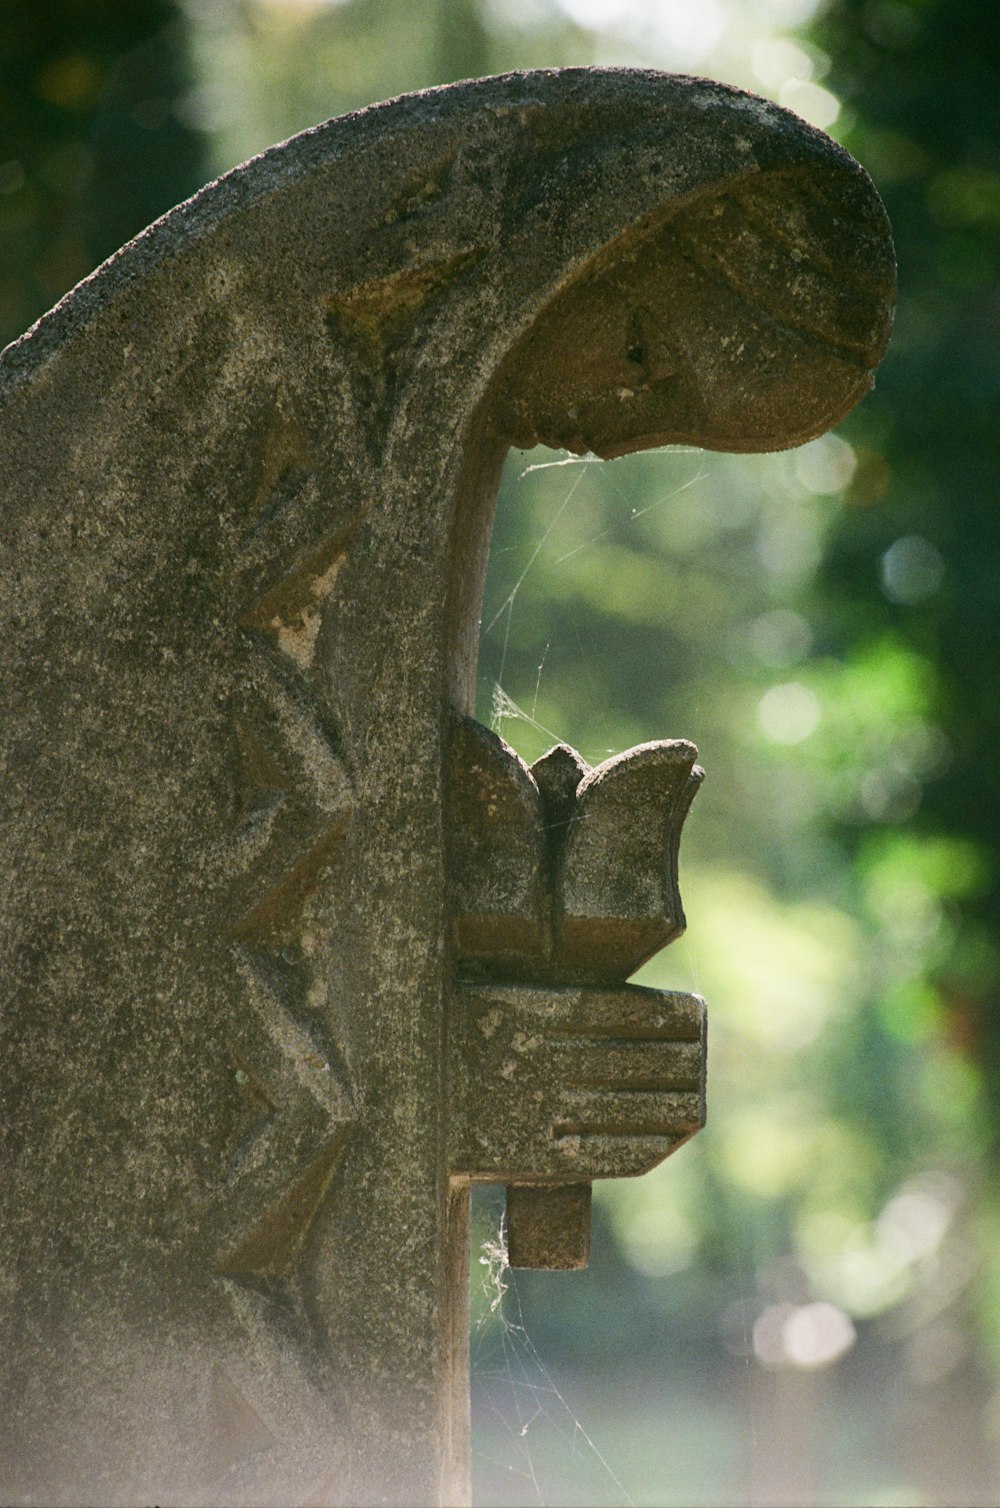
point(788, 713)
point(826, 465)
point(814, 103)
point(912, 570)
point(687, 33)
point(780, 638)
point(814, 1335)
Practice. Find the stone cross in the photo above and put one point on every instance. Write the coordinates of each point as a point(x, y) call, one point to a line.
point(294, 950)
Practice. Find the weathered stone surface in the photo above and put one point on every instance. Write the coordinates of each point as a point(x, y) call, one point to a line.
point(561, 872)
point(617, 885)
point(248, 472)
point(582, 1083)
point(559, 876)
point(549, 1227)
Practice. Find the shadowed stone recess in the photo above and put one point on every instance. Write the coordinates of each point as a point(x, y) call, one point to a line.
point(292, 950)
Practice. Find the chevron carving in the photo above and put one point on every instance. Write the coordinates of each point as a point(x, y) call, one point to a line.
point(293, 805)
point(290, 1152)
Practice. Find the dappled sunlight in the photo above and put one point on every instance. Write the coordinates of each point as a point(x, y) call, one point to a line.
point(687, 33)
point(872, 1265)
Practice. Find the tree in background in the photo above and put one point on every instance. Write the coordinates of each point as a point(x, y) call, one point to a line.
point(910, 581)
point(93, 140)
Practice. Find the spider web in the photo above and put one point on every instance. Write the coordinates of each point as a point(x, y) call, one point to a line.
point(528, 1437)
point(503, 707)
point(518, 1389)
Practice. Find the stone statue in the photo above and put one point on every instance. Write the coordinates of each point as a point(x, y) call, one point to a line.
point(294, 949)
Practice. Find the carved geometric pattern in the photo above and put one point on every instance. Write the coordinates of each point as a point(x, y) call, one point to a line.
point(295, 803)
point(560, 872)
point(290, 556)
point(792, 278)
point(562, 881)
point(436, 227)
point(236, 1422)
point(287, 1158)
point(379, 314)
point(584, 1083)
point(292, 609)
point(293, 807)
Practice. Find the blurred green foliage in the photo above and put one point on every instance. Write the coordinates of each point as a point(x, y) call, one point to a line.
point(914, 579)
point(818, 1272)
point(94, 141)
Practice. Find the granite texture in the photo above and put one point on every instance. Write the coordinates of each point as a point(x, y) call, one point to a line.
point(248, 470)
